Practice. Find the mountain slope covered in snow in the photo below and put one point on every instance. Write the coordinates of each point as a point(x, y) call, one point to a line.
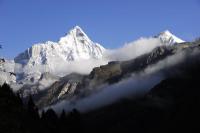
point(168, 38)
point(50, 56)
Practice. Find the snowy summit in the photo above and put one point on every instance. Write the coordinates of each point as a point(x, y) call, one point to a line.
point(78, 45)
point(168, 38)
point(46, 57)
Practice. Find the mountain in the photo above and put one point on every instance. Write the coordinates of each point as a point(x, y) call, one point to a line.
point(43, 64)
point(74, 87)
point(168, 38)
point(53, 56)
point(72, 50)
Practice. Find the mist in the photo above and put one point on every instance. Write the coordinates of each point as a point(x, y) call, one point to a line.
point(137, 84)
point(133, 49)
point(134, 86)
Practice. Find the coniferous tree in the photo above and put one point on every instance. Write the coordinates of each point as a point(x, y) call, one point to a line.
point(14, 118)
point(63, 122)
point(32, 108)
point(50, 120)
point(19, 99)
point(74, 121)
point(42, 115)
point(63, 116)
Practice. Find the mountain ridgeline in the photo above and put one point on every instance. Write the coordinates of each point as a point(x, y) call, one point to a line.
point(76, 86)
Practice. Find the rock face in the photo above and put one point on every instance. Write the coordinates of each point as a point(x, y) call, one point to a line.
point(100, 75)
point(49, 56)
point(46, 80)
point(63, 89)
point(7, 74)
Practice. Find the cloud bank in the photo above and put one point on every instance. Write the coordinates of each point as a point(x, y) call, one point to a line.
point(133, 49)
point(137, 84)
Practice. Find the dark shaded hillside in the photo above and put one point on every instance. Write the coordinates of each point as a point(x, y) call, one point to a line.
point(173, 105)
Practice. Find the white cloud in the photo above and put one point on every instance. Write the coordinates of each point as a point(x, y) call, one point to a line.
point(133, 49)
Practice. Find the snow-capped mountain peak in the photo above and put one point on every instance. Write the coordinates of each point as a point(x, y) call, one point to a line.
point(78, 32)
point(168, 38)
point(46, 57)
point(78, 45)
point(75, 33)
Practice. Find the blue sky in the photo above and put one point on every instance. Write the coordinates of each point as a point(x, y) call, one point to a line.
point(109, 22)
